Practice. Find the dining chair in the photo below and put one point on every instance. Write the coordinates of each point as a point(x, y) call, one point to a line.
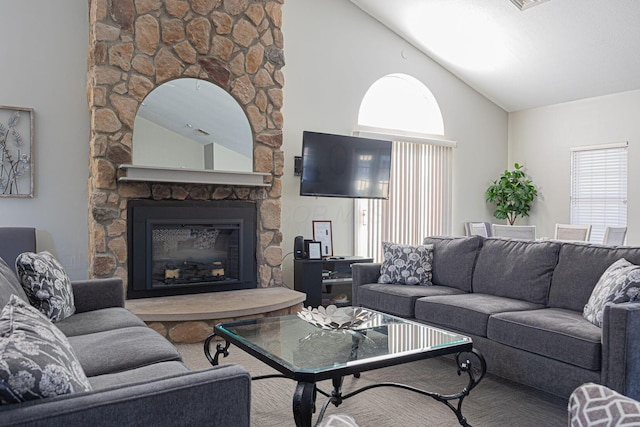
point(614, 236)
point(477, 229)
point(523, 232)
point(572, 232)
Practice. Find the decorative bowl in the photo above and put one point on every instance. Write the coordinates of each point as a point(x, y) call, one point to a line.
point(332, 317)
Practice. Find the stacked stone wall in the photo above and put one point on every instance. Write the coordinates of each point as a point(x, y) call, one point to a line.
point(136, 45)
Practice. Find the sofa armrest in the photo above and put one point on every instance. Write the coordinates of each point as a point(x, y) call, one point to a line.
point(94, 294)
point(595, 404)
point(219, 396)
point(361, 274)
point(621, 348)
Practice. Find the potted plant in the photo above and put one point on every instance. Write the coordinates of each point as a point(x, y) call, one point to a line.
point(513, 193)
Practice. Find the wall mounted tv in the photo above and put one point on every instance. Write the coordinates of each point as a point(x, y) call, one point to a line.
point(345, 166)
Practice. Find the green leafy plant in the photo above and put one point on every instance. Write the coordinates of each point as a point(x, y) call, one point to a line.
point(513, 193)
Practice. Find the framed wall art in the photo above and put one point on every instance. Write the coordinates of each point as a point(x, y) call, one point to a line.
point(16, 148)
point(315, 250)
point(322, 233)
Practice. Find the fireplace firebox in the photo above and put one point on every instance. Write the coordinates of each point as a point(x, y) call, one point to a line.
point(186, 247)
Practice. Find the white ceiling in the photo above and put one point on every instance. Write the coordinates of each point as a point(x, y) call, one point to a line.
point(557, 51)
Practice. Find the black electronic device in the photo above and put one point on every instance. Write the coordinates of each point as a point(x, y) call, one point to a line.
point(298, 247)
point(297, 166)
point(345, 166)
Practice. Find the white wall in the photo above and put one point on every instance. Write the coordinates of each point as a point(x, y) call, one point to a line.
point(43, 66)
point(333, 53)
point(225, 159)
point(541, 138)
point(155, 145)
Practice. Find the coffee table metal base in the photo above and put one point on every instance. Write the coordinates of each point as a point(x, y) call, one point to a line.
point(304, 396)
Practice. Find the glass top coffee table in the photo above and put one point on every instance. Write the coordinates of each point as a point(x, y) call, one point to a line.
point(307, 354)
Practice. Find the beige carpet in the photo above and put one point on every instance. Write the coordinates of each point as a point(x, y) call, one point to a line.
point(494, 402)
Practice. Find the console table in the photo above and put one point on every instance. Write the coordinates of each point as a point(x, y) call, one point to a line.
point(310, 275)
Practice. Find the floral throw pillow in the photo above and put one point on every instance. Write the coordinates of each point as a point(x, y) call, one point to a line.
point(46, 284)
point(406, 265)
point(37, 360)
point(619, 283)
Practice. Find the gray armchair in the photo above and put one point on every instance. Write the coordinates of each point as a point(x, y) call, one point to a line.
point(597, 405)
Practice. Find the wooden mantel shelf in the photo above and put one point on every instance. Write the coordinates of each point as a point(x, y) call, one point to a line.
point(214, 305)
point(191, 176)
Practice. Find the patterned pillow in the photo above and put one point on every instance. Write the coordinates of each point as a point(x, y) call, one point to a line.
point(619, 283)
point(46, 284)
point(37, 360)
point(406, 265)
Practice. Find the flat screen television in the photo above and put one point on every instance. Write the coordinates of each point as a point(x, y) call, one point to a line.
point(345, 166)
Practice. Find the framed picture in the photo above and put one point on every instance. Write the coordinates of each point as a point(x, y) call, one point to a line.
point(315, 250)
point(322, 233)
point(16, 147)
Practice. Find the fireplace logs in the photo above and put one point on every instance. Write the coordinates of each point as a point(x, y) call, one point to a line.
point(192, 271)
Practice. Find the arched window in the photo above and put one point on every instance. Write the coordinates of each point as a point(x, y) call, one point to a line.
point(400, 108)
point(401, 102)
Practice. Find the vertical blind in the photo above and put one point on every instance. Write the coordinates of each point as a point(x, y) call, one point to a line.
point(419, 201)
point(599, 187)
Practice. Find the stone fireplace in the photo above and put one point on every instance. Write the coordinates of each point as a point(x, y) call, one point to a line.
point(136, 45)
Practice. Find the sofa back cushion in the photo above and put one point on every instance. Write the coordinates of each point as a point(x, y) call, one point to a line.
point(454, 260)
point(520, 269)
point(580, 266)
point(9, 284)
point(14, 241)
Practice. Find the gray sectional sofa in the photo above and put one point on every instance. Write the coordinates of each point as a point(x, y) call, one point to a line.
point(136, 376)
point(522, 304)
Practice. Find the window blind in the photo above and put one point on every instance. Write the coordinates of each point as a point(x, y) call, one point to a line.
point(599, 187)
point(419, 201)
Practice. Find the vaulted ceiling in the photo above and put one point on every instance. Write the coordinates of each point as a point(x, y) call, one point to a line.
point(557, 51)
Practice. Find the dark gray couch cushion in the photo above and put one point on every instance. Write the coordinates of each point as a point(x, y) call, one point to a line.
point(121, 349)
point(516, 269)
point(14, 241)
point(95, 294)
point(453, 260)
point(138, 375)
point(9, 284)
point(556, 333)
point(398, 300)
point(467, 313)
point(98, 321)
point(579, 268)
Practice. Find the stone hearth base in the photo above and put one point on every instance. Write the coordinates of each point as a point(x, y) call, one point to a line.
point(190, 318)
